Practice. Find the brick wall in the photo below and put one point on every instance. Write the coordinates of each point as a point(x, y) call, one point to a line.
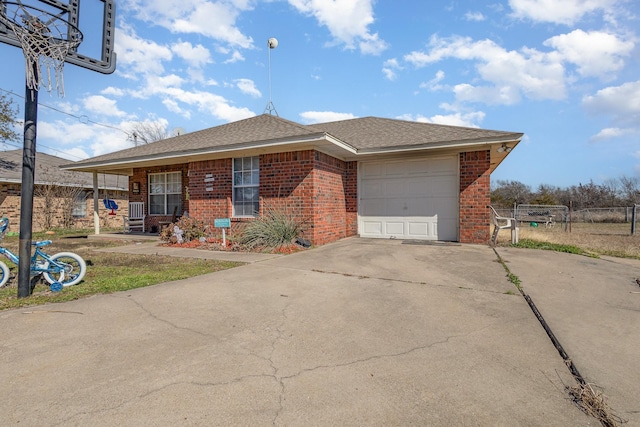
point(475, 196)
point(140, 176)
point(209, 205)
point(334, 199)
point(10, 201)
point(316, 189)
point(286, 184)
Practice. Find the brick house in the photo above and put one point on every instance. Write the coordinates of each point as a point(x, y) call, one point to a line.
point(372, 177)
point(61, 198)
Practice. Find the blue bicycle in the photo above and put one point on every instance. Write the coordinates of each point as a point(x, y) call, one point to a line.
point(60, 270)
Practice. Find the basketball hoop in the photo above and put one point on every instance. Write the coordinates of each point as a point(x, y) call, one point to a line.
point(46, 39)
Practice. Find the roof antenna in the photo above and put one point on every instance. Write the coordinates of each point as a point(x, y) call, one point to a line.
point(270, 108)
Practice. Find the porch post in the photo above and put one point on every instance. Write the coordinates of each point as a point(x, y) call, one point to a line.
point(96, 217)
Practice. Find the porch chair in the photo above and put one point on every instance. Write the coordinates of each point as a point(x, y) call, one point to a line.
point(136, 217)
point(503, 223)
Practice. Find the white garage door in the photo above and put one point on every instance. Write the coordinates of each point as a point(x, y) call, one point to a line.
point(409, 199)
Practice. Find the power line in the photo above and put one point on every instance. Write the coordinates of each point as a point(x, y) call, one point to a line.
point(83, 118)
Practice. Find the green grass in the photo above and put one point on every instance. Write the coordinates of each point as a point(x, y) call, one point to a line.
point(558, 247)
point(108, 273)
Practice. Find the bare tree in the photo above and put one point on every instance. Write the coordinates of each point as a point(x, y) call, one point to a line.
point(149, 131)
point(55, 202)
point(629, 190)
point(506, 193)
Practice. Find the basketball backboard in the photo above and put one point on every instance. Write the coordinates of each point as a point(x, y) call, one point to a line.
point(96, 21)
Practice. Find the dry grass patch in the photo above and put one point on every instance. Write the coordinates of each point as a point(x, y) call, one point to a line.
point(594, 403)
point(602, 239)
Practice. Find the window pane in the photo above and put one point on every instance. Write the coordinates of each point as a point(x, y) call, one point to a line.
point(156, 184)
point(156, 205)
point(79, 209)
point(246, 178)
point(174, 182)
point(174, 201)
point(237, 178)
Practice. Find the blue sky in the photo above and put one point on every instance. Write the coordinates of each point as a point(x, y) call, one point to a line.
point(566, 73)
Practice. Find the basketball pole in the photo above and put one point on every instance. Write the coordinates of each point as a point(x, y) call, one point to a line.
point(26, 193)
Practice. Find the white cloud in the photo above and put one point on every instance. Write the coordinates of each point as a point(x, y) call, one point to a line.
point(196, 56)
point(558, 12)
point(621, 102)
point(235, 57)
point(474, 16)
point(216, 105)
point(113, 91)
point(215, 19)
point(102, 105)
point(510, 74)
point(611, 133)
point(311, 117)
point(70, 138)
point(174, 107)
point(434, 83)
point(248, 87)
point(470, 119)
point(389, 68)
point(595, 53)
point(137, 55)
point(348, 22)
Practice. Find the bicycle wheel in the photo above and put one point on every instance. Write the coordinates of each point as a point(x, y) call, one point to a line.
point(73, 272)
point(4, 274)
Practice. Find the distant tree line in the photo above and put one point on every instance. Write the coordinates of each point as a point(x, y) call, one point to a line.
point(624, 191)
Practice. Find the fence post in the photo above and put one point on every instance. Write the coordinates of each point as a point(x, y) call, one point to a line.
point(570, 214)
point(633, 219)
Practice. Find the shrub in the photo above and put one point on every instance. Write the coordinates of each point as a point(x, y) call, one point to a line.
point(274, 228)
point(192, 229)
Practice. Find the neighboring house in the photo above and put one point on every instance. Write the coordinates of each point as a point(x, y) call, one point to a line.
point(61, 198)
point(369, 176)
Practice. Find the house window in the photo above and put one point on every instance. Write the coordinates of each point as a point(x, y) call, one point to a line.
point(246, 182)
point(165, 193)
point(79, 208)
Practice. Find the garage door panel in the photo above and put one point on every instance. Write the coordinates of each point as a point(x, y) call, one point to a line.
point(395, 169)
point(412, 199)
point(371, 170)
point(373, 228)
point(394, 228)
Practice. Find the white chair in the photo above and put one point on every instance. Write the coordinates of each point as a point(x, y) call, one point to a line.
point(503, 223)
point(135, 219)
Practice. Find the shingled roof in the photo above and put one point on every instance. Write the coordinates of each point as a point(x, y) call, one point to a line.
point(346, 138)
point(369, 134)
point(48, 171)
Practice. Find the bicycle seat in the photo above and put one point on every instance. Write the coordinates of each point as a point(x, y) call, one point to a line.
point(41, 243)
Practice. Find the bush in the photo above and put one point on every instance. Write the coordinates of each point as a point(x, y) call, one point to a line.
point(273, 229)
point(192, 229)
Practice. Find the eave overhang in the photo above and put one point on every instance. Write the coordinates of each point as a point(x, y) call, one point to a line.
point(323, 142)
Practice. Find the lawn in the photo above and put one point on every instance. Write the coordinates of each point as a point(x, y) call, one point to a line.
point(593, 238)
point(106, 272)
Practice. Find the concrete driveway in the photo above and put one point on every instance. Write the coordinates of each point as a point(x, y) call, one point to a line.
point(593, 308)
point(360, 332)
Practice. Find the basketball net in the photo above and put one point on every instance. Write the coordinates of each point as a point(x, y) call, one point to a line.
point(46, 40)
